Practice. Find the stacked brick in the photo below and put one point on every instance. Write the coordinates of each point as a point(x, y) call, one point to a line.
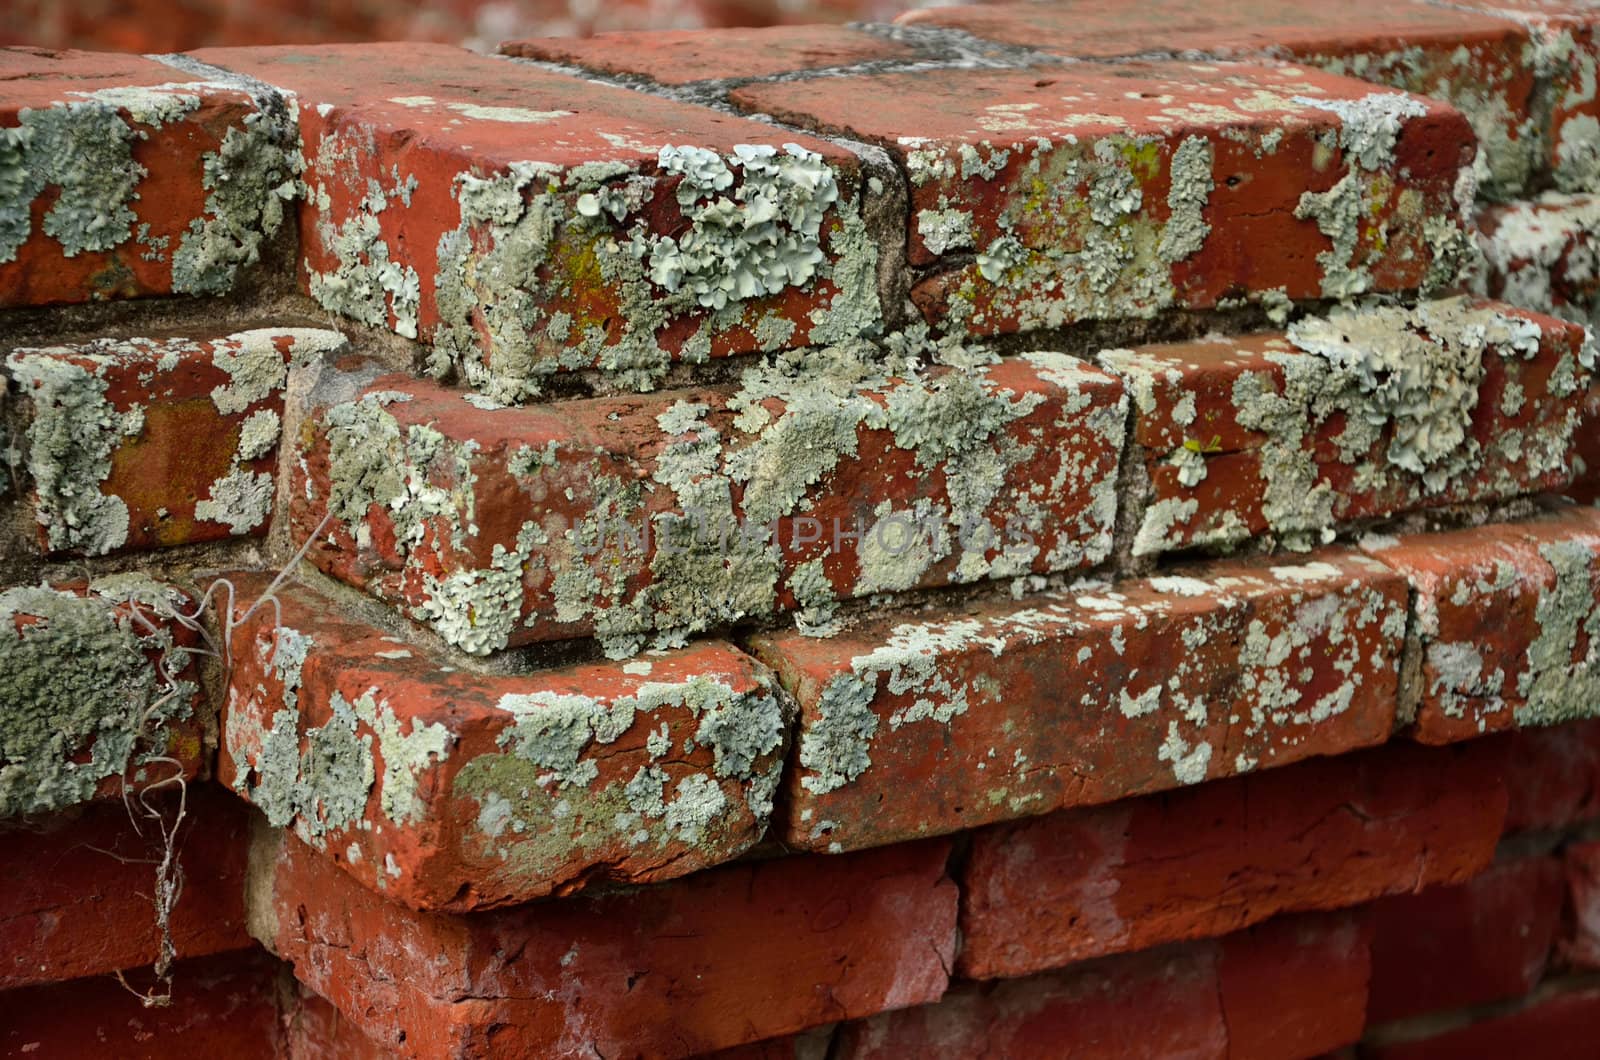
point(921, 540)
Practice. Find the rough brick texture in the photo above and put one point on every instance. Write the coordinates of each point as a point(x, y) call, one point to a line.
point(526, 222)
point(1541, 254)
point(145, 443)
point(1507, 620)
point(126, 177)
point(1289, 436)
point(98, 691)
point(640, 520)
point(1320, 835)
point(1087, 197)
point(664, 971)
point(1453, 947)
point(1553, 776)
point(443, 788)
point(1064, 699)
point(1556, 1023)
point(77, 889)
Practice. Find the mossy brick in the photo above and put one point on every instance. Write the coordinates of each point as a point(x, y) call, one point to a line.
point(732, 955)
point(1486, 940)
point(1294, 986)
point(1042, 197)
point(641, 520)
point(123, 177)
point(1543, 254)
point(1564, 51)
point(1330, 833)
point(99, 692)
point(914, 726)
point(446, 789)
point(1507, 623)
point(1485, 66)
point(140, 443)
point(682, 57)
point(221, 1006)
point(1364, 413)
point(77, 887)
point(525, 222)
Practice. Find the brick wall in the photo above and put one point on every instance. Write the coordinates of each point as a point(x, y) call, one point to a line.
point(1035, 530)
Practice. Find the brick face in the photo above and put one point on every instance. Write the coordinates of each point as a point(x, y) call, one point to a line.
point(1089, 198)
point(1321, 835)
point(443, 788)
point(664, 971)
point(130, 179)
point(641, 520)
point(911, 727)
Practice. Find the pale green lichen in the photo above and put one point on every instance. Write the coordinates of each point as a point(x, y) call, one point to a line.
point(81, 700)
point(1562, 678)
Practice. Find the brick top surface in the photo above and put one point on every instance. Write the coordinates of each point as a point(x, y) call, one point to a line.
point(35, 77)
point(1097, 29)
point(497, 110)
point(684, 57)
point(1016, 106)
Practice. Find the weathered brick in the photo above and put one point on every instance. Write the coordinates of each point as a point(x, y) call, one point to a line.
point(142, 443)
point(1541, 255)
point(1565, 50)
point(1557, 1021)
point(98, 691)
point(737, 954)
point(221, 1006)
point(77, 888)
point(314, 1030)
point(682, 57)
point(1289, 988)
point(912, 727)
point(1324, 834)
point(526, 222)
point(1094, 193)
point(1161, 1004)
point(1580, 936)
point(1553, 776)
point(1360, 414)
point(814, 1044)
point(1294, 986)
point(1454, 947)
point(1507, 622)
point(127, 177)
point(1480, 64)
point(456, 790)
point(650, 518)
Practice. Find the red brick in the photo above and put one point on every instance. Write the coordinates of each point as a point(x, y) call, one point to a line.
point(1163, 185)
point(1325, 834)
point(1454, 947)
point(682, 57)
point(1507, 623)
point(733, 955)
point(1541, 254)
point(1556, 1023)
point(641, 518)
point(1294, 986)
point(1580, 942)
point(1289, 436)
point(1162, 1005)
point(447, 199)
point(814, 1044)
point(76, 888)
point(314, 1030)
point(136, 178)
point(1553, 775)
point(143, 443)
point(221, 1006)
point(1586, 458)
point(1062, 699)
point(101, 692)
point(1566, 50)
point(1480, 64)
point(449, 789)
